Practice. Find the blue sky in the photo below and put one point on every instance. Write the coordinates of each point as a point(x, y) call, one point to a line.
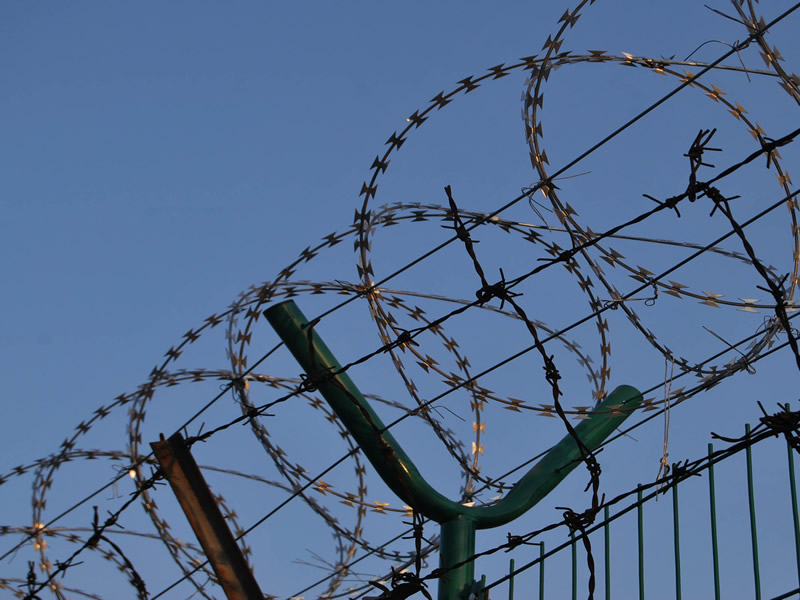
point(159, 159)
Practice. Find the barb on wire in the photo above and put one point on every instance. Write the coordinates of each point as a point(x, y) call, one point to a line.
point(513, 541)
point(405, 584)
point(695, 155)
point(31, 582)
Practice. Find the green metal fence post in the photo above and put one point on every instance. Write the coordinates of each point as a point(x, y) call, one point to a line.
point(397, 470)
point(607, 538)
point(712, 500)
point(676, 538)
point(640, 528)
point(511, 579)
point(752, 504)
point(795, 518)
point(541, 571)
point(457, 543)
point(574, 566)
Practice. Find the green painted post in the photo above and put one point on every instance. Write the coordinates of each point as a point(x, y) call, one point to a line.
point(712, 500)
point(541, 571)
point(511, 579)
point(795, 519)
point(640, 527)
point(676, 538)
point(574, 566)
point(752, 503)
point(456, 544)
point(401, 475)
point(607, 539)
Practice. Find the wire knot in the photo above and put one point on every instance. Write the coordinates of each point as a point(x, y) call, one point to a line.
point(312, 381)
point(551, 373)
point(784, 422)
point(496, 290)
point(406, 338)
point(578, 521)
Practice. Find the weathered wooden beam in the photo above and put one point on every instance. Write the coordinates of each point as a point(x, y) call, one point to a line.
point(202, 511)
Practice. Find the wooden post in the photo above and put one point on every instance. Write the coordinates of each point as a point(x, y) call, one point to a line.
point(204, 516)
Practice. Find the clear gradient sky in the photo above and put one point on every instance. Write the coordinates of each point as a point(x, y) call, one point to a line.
point(158, 159)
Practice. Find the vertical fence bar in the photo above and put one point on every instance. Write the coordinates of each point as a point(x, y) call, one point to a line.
point(676, 533)
point(793, 488)
point(607, 538)
point(574, 566)
point(511, 580)
point(712, 500)
point(640, 518)
point(752, 502)
point(541, 571)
